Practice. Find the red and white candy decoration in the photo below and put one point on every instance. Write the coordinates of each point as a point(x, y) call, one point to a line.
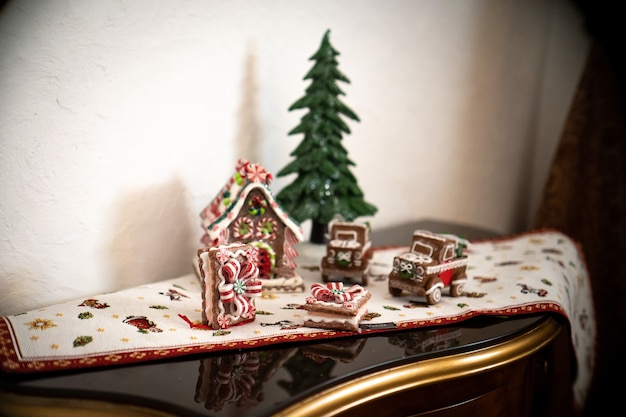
point(239, 286)
point(334, 292)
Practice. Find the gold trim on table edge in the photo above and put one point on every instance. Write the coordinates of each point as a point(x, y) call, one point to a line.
point(371, 387)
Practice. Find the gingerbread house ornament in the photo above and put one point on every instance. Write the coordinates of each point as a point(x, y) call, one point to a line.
point(245, 211)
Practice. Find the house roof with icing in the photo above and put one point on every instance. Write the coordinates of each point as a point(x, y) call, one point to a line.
point(224, 208)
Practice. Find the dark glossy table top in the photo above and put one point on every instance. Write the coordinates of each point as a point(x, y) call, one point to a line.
point(262, 381)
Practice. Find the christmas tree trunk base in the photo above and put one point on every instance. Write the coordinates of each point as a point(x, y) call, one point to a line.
point(319, 231)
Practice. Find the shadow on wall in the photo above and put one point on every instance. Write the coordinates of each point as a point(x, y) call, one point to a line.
point(152, 238)
point(248, 139)
point(490, 103)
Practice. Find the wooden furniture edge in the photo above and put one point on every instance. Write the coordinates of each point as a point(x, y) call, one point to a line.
point(375, 386)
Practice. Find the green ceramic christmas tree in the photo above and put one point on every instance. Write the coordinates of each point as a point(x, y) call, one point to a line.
point(324, 187)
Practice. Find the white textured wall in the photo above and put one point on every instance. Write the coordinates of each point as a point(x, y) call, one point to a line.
point(121, 119)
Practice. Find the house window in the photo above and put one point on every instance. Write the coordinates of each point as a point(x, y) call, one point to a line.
point(257, 205)
point(266, 228)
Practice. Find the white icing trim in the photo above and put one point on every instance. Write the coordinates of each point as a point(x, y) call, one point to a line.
point(323, 317)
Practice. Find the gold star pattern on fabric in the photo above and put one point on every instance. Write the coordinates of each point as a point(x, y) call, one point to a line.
point(40, 324)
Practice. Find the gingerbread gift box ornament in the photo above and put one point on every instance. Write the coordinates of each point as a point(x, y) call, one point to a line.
point(230, 284)
point(335, 307)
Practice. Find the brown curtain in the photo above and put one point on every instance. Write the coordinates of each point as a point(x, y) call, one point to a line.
point(585, 197)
